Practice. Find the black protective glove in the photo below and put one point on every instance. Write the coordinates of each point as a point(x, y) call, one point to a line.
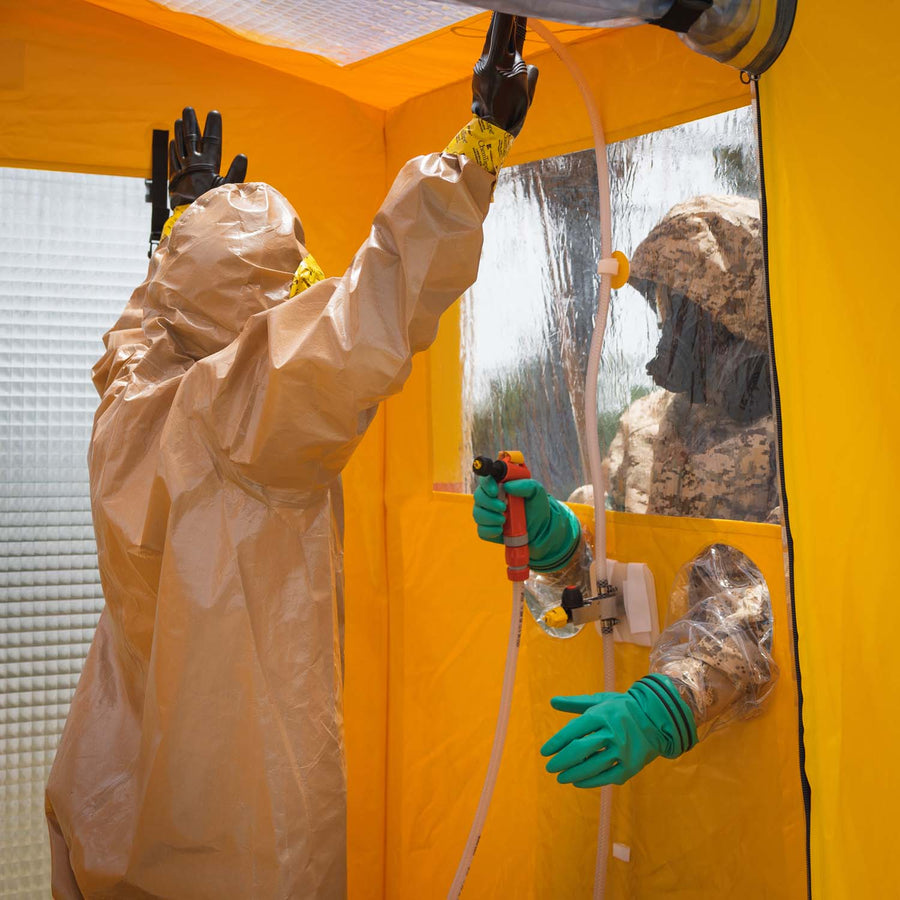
point(502, 84)
point(194, 159)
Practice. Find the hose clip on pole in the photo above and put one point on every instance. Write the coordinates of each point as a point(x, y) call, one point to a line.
point(510, 466)
point(608, 599)
point(617, 267)
point(576, 609)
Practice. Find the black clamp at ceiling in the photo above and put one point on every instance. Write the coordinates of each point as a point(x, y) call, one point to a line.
point(682, 15)
point(158, 186)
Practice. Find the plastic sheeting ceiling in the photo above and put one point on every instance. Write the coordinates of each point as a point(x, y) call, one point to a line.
point(537, 288)
point(341, 30)
point(71, 249)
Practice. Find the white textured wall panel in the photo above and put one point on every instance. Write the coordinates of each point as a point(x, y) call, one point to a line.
point(72, 247)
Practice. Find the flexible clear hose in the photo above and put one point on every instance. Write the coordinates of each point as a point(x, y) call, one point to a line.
point(591, 414)
point(591, 411)
point(599, 570)
point(490, 779)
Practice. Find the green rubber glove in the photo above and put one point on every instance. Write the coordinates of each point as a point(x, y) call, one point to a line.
point(554, 531)
point(616, 735)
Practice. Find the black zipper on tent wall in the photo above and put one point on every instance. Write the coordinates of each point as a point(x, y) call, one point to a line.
point(776, 395)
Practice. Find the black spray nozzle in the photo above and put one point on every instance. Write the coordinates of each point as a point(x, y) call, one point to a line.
point(493, 468)
point(572, 598)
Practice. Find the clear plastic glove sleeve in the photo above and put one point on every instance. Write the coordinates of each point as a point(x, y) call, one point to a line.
point(718, 652)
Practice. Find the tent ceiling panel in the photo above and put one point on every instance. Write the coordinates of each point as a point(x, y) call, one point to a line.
point(340, 30)
point(386, 80)
point(70, 107)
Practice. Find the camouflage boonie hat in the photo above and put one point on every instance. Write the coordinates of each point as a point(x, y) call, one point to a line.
point(709, 249)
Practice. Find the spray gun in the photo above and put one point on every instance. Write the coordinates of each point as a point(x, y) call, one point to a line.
point(510, 466)
point(574, 608)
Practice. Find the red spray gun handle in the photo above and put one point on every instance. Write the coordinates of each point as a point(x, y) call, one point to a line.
point(510, 466)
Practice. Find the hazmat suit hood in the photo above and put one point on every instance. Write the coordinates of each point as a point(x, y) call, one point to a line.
point(242, 242)
point(701, 269)
point(704, 446)
point(708, 249)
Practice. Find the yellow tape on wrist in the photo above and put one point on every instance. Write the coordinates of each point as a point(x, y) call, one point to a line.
point(170, 222)
point(307, 274)
point(483, 143)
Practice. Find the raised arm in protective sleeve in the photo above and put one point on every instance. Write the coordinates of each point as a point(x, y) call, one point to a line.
point(289, 400)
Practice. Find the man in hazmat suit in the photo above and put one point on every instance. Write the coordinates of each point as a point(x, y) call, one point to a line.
point(676, 449)
point(202, 754)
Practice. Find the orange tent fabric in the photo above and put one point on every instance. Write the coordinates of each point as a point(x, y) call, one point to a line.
point(81, 86)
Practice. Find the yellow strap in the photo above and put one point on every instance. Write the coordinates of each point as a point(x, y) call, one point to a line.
point(170, 222)
point(307, 274)
point(483, 143)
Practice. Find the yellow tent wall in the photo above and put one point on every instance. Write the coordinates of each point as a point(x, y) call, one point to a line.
point(449, 604)
point(830, 140)
point(81, 86)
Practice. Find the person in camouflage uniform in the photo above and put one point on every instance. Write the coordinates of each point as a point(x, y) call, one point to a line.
point(703, 446)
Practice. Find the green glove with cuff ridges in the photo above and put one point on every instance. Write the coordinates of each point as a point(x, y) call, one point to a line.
point(616, 735)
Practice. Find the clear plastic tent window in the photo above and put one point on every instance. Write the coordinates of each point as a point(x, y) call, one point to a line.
point(342, 31)
point(685, 397)
point(72, 247)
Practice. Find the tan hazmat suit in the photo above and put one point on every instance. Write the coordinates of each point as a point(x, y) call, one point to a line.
point(202, 755)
